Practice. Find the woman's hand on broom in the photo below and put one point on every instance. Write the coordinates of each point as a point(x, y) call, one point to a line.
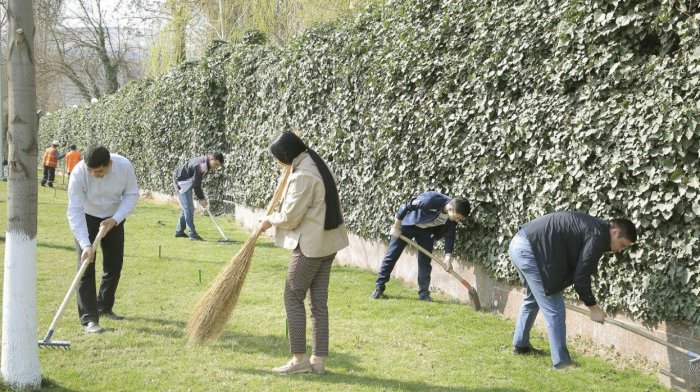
point(265, 224)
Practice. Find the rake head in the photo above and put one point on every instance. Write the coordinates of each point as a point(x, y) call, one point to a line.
point(226, 241)
point(694, 358)
point(57, 344)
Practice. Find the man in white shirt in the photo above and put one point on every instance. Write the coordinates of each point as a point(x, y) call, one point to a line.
point(102, 192)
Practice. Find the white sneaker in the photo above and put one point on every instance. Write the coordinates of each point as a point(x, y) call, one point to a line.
point(293, 368)
point(92, 327)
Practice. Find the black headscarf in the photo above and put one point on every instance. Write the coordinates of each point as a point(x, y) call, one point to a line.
point(287, 146)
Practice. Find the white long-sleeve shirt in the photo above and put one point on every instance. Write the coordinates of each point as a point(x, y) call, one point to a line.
point(114, 195)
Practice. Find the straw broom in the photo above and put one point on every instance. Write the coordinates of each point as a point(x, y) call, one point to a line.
point(212, 312)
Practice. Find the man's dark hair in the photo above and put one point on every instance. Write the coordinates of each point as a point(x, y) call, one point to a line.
point(219, 157)
point(96, 156)
point(462, 206)
point(627, 229)
point(73, 147)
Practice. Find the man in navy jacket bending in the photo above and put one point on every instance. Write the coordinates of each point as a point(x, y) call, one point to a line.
point(553, 252)
point(424, 219)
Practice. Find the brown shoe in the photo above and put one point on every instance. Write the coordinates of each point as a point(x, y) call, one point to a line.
point(293, 368)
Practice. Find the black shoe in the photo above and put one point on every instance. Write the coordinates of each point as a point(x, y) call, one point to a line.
point(112, 315)
point(426, 299)
point(50, 184)
point(377, 294)
point(180, 234)
point(527, 351)
point(196, 237)
point(43, 184)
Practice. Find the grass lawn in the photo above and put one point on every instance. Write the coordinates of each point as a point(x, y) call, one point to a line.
point(399, 344)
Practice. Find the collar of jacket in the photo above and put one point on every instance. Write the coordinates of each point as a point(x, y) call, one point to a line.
point(296, 161)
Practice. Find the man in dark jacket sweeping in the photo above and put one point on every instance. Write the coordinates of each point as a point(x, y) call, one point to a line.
point(425, 219)
point(187, 179)
point(553, 252)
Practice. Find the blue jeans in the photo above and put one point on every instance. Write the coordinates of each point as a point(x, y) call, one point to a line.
point(552, 306)
point(187, 214)
point(424, 238)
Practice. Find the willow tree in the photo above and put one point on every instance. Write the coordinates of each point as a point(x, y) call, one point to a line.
point(20, 352)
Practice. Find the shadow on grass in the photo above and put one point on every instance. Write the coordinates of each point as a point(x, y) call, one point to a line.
point(46, 245)
point(161, 327)
point(331, 377)
point(49, 385)
point(246, 343)
point(54, 246)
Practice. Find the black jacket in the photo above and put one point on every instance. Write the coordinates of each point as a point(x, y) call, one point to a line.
point(567, 247)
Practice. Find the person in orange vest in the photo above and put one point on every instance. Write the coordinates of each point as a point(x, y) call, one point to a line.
point(51, 157)
point(72, 159)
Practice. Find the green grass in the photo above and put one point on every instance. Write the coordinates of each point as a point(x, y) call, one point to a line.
point(399, 344)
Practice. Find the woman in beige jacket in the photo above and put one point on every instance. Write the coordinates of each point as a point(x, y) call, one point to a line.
point(310, 223)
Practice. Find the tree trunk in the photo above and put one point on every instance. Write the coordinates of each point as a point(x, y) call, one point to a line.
point(110, 68)
point(20, 353)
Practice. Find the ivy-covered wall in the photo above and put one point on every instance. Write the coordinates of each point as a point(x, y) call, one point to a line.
point(524, 107)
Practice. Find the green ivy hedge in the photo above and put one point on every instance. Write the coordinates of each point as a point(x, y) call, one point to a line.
point(523, 107)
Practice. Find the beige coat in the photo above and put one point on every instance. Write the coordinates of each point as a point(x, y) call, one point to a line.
point(303, 213)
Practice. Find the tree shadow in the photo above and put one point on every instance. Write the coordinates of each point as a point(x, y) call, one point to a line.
point(157, 326)
point(347, 379)
point(49, 385)
point(54, 246)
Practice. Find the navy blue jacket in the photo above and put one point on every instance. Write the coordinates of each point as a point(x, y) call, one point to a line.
point(190, 175)
point(424, 208)
point(567, 247)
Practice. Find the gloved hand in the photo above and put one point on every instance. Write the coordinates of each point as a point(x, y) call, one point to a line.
point(448, 262)
point(395, 230)
point(597, 314)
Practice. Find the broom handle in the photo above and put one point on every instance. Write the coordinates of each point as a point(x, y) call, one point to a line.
point(76, 279)
point(639, 332)
point(435, 259)
point(277, 195)
point(280, 189)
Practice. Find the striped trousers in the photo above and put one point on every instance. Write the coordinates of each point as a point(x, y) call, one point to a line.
point(308, 274)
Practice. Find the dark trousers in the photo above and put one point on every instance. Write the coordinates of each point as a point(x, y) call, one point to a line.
point(90, 303)
point(424, 238)
point(49, 175)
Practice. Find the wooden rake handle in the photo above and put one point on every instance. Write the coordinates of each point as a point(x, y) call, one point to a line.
point(435, 259)
point(216, 224)
point(76, 279)
point(693, 357)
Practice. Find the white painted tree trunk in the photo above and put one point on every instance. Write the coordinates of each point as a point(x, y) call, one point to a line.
point(20, 353)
